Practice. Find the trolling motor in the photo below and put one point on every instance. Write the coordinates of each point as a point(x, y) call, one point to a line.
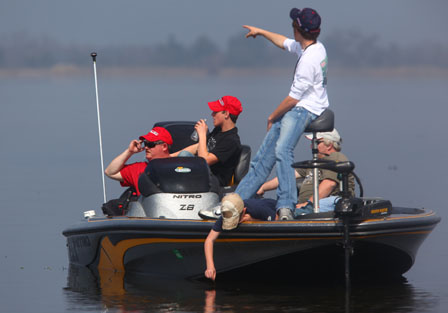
point(346, 207)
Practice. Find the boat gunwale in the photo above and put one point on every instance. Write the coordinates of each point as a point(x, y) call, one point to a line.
point(423, 222)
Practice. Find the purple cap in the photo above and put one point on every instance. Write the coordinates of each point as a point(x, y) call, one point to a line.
point(308, 19)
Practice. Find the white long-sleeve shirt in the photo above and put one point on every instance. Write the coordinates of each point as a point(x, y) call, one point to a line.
point(310, 78)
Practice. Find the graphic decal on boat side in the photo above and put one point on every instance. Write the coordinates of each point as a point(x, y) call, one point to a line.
point(187, 196)
point(112, 256)
point(186, 207)
point(178, 254)
point(379, 211)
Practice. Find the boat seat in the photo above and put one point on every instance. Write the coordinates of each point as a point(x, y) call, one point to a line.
point(324, 123)
point(240, 171)
point(177, 175)
point(243, 165)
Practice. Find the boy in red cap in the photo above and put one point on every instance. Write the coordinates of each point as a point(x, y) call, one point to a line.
point(222, 148)
point(156, 144)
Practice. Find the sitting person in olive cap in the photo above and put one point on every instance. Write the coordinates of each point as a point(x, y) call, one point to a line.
point(234, 211)
point(156, 144)
point(222, 147)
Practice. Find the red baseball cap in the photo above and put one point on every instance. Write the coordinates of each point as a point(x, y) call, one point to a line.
point(226, 103)
point(158, 133)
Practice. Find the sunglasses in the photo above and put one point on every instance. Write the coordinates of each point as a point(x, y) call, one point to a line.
point(151, 144)
point(216, 112)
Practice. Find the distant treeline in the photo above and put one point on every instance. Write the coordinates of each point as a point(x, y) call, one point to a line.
point(344, 49)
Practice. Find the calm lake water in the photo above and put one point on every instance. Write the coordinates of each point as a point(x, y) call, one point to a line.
point(392, 129)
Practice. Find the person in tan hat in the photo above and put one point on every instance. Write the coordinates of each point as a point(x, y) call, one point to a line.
point(233, 212)
point(222, 147)
point(329, 148)
point(156, 145)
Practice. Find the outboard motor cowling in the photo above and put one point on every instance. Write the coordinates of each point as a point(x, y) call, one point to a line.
point(177, 188)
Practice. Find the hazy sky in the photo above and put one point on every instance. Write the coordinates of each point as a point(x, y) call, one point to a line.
point(151, 21)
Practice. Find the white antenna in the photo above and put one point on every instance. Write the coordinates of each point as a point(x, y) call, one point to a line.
point(93, 55)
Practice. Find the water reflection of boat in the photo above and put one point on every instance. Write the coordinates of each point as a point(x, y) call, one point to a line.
point(162, 234)
point(133, 292)
point(125, 293)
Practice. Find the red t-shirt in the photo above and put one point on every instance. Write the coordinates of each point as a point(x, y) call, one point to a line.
point(131, 173)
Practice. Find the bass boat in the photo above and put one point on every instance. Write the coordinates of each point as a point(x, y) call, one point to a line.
point(160, 233)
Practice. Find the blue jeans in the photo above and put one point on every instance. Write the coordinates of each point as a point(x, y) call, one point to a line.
point(185, 153)
point(325, 205)
point(278, 149)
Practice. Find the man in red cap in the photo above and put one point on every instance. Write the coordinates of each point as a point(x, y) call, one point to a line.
point(222, 148)
point(156, 144)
